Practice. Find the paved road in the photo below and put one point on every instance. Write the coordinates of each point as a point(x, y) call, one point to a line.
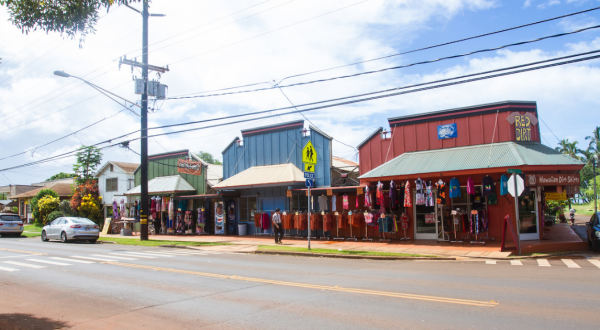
point(83, 286)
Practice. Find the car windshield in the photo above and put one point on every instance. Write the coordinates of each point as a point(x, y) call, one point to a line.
point(83, 221)
point(10, 218)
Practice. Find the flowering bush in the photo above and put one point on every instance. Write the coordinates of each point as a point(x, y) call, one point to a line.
point(47, 205)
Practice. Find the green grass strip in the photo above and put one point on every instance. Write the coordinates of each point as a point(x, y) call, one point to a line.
point(345, 252)
point(136, 241)
point(32, 228)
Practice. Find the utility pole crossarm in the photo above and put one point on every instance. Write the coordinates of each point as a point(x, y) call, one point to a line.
point(142, 65)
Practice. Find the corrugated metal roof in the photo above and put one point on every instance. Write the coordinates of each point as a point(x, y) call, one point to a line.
point(164, 184)
point(503, 154)
point(264, 175)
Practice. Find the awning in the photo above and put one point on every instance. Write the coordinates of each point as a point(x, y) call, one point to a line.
point(484, 156)
point(261, 176)
point(164, 185)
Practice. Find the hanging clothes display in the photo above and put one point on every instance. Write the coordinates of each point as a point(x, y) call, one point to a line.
point(407, 199)
point(200, 225)
point(470, 186)
point(265, 221)
point(328, 222)
point(122, 209)
point(257, 218)
point(333, 202)
point(393, 195)
point(187, 221)
point(153, 207)
point(115, 209)
point(171, 214)
point(420, 192)
point(356, 199)
point(488, 185)
point(316, 221)
point(368, 198)
point(429, 195)
point(323, 203)
point(179, 222)
point(441, 192)
point(503, 185)
point(345, 202)
point(454, 188)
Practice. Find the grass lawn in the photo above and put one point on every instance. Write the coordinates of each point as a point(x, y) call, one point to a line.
point(26, 234)
point(582, 209)
point(32, 228)
point(136, 241)
point(331, 251)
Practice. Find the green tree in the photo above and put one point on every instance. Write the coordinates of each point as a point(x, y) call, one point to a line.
point(88, 159)
point(62, 175)
point(67, 17)
point(208, 157)
point(34, 204)
point(568, 148)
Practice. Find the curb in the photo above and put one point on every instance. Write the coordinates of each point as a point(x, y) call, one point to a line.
point(343, 256)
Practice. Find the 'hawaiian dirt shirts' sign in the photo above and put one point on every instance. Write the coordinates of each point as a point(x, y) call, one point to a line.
point(522, 125)
point(552, 180)
point(447, 131)
point(189, 167)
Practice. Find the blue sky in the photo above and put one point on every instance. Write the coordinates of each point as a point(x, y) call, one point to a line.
point(205, 55)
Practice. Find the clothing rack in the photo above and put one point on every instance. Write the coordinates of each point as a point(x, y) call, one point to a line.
point(455, 223)
point(366, 231)
point(352, 237)
point(476, 241)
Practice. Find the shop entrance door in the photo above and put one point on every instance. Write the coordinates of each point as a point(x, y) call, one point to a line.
point(425, 220)
point(528, 217)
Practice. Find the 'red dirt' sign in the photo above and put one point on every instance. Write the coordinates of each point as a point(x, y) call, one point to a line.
point(189, 167)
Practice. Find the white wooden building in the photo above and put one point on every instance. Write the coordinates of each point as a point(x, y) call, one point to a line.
point(114, 179)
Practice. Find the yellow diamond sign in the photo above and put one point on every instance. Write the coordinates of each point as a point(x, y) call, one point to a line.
point(309, 154)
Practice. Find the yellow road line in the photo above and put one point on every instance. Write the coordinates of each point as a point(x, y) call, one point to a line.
point(29, 252)
point(319, 287)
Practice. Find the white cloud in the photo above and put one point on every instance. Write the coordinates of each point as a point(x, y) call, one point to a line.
point(527, 3)
point(550, 3)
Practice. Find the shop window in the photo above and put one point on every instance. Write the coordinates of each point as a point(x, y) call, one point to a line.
point(112, 184)
point(247, 208)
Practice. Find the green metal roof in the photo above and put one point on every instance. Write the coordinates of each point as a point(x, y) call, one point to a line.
point(503, 154)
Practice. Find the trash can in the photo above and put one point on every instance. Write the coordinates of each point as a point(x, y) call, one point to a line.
point(243, 229)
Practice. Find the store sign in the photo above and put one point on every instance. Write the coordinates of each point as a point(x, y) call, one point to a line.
point(522, 125)
point(189, 167)
point(447, 131)
point(429, 218)
point(556, 196)
point(289, 193)
point(329, 192)
point(552, 179)
point(359, 191)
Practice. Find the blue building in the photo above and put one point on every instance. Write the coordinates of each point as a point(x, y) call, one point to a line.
point(267, 163)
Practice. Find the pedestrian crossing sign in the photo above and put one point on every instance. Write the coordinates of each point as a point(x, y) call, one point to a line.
point(309, 168)
point(309, 154)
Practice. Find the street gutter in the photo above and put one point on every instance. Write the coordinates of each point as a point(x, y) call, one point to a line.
point(346, 256)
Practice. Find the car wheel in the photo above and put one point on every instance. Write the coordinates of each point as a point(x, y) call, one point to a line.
point(63, 237)
point(44, 237)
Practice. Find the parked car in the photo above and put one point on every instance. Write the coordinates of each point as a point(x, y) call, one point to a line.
point(593, 232)
point(71, 228)
point(10, 225)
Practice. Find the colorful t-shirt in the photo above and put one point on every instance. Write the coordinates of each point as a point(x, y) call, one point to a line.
point(488, 185)
point(441, 193)
point(503, 185)
point(429, 195)
point(470, 186)
point(454, 188)
point(345, 202)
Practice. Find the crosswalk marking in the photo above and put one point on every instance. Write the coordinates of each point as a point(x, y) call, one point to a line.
point(595, 262)
point(543, 263)
point(73, 260)
point(118, 258)
point(131, 255)
point(98, 259)
point(151, 254)
point(49, 262)
point(570, 263)
point(516, 263)
point(8, 269)
point(490, 262)
point(23, 264)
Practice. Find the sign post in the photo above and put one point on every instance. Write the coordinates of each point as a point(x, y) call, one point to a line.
point(309, 158)
point(515, 188)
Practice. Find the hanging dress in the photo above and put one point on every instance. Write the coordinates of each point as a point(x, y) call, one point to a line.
point(429, 195)
point(407, 200)
point(420, 192)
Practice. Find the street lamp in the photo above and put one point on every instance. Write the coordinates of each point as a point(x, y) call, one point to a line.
point(98, 88)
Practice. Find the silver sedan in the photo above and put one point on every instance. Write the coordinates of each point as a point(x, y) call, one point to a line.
point(71, 228)
point(10, 224)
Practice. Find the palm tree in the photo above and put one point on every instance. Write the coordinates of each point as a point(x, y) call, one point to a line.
point(594, 141)
point(568, 148)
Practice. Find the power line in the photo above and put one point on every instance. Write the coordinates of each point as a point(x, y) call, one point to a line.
point(557, 139)
point(394, 67)
point(414, 50)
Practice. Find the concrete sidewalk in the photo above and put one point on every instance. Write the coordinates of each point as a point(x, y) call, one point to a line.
point(251, 243)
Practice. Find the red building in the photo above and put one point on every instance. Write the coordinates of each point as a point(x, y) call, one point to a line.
point(470, 143)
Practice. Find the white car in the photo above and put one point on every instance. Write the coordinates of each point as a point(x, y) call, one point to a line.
point(10, 224)
point(71, 228)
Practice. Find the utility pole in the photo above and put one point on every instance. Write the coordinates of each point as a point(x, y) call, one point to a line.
point(144, 140)
point(594, 173)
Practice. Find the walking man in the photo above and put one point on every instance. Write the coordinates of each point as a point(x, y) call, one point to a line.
point(277, 228)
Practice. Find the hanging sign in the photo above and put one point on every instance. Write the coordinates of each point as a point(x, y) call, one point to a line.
point(447, 131)
point(309, 154)
point(289, 193)
point(359, 191)
point(522, 125)
point(552, 179)
point(429, 218)
point(189, 167)
point(309, 168)
point(329, 192)
point(556, 196)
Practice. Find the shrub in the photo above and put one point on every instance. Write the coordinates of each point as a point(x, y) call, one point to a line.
point(66, 210)
point(34, 203)
point(53, 216)
point(47, 205)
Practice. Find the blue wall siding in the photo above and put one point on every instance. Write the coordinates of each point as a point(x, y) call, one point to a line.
point(272, 148)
